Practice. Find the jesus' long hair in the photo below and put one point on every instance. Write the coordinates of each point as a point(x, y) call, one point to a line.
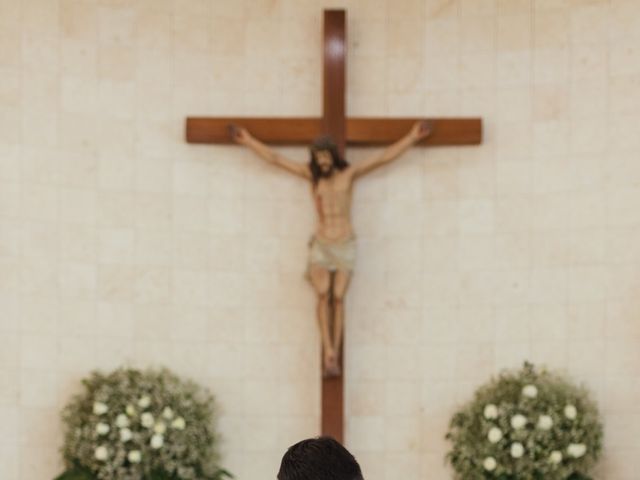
point(324, 142)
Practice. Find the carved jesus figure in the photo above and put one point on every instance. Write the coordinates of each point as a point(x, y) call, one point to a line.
point(332, 246)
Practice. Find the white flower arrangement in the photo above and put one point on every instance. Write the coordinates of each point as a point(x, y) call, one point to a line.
point(167, 413)
point(100, 408)
point(518, 421)
point(571, 412)
point(101, 453)
point(134, 456)
point(160, 428)
point(118, 429)
point(102, 428)
point(545, 422)
point(576, 450)
point(147, 420)
point(157, 441)
point(122, 421)
point(517, 450)
point(490, 412)
point(555, 457)
point(125, 435)
point(495, 435)
point(530, 391)
point(489, 464)
point(526, 424)
point(144, 402)
point(178, 424)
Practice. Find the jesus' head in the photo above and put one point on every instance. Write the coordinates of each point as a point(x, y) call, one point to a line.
point(325, 158)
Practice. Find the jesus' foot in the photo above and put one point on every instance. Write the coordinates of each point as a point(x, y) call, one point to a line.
point(331, 365)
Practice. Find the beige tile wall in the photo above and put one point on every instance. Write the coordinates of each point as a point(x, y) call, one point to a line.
point(121, 244)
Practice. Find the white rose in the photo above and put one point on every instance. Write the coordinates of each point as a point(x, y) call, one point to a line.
point(147, 420)
point(555, 457)
point(490, 464)
point(102, 428)
point(122, 421)
point(179, 423)
point(571, 412)
point(144, 402)
point(517, 450)
point(545, 422)
point(518, 421)
point(167, 413)
point(490, 412)
point(134, 456)
point(576, 450)
point(495, 435)
point(101, 453)
point(157, 441)
point(160, 428)
point(530, 391)
point(125, 435)
point(131, 410)
point(100, 408)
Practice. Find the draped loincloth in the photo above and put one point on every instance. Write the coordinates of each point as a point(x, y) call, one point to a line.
point(335, 255)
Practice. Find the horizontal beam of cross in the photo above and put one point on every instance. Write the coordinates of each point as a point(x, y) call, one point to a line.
point(360, 131)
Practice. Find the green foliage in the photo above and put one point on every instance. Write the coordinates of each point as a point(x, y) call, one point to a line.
point(140, 425)
point(554, 444)
point(76, 474)
point(79, 474)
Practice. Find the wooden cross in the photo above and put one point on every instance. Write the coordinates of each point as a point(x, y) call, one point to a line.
point(352, 131)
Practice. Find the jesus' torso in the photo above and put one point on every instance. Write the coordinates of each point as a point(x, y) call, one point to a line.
point(332, 199)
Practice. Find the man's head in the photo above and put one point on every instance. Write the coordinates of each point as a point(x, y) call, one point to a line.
point(325, 158)
point(321, 458)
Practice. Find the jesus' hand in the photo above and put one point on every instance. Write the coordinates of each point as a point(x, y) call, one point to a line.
point(421, 129)
point(239, 134)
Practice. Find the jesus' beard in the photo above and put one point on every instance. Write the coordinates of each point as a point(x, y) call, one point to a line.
point(326, 173)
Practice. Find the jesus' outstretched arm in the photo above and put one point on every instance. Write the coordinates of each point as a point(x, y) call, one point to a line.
point(243, 137)
point(419, 130)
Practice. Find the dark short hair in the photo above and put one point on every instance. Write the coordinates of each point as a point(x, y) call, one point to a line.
point(321, 458)
point(325, 142)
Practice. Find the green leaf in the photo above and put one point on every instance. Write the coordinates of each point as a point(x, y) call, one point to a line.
point(220, 474)
point(76, 474)
point(159, 475)
point(578, 476)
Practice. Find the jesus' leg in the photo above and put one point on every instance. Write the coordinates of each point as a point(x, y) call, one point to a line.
point(340, 284)
point(321, 281)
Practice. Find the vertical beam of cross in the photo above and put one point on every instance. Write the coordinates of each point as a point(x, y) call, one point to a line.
point(334, 124)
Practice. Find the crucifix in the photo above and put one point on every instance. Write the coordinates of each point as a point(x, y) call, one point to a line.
point(332, 246)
